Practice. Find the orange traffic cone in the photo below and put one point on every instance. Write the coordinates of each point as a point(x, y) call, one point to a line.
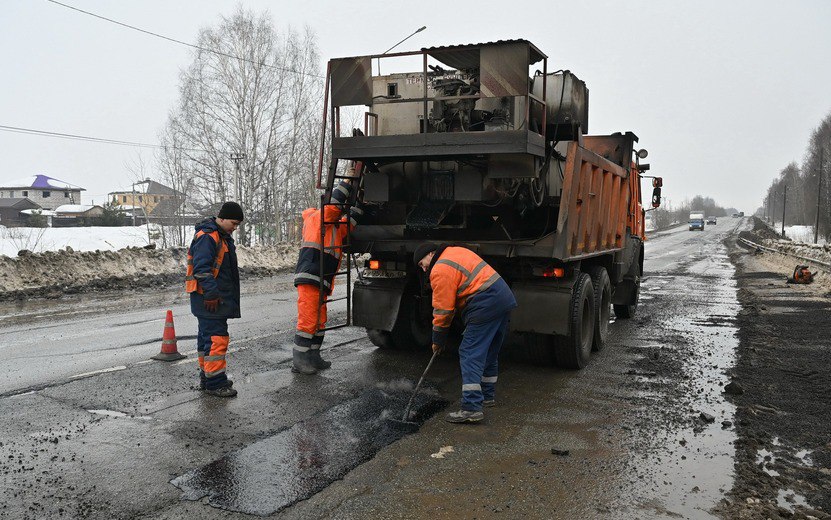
point(169, 351)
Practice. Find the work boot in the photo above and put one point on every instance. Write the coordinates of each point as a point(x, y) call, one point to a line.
point(302, 362)
point(465, 416)
point(318, 362)
point(202, 382)
point(222, 391)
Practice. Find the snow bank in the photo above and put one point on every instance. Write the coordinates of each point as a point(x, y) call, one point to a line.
point(40, 240)
point(53, 273)
point(762, 234)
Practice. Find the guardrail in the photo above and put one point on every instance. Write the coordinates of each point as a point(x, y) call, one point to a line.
point(826, 265)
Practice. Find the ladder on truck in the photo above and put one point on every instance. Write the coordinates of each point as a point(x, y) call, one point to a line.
point(343, 250)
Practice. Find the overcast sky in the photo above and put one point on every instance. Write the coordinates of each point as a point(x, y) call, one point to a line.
point(722, 94)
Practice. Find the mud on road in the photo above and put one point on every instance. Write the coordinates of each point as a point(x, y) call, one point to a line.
point(783, 397)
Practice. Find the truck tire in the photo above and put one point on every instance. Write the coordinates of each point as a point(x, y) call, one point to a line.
point(537, 349)
point(626, 311)
point(602, 306)
point(574, 350)
point(410, 330)
point(380, 338)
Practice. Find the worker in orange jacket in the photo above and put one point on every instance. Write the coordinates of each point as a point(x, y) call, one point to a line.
point(464, 283)
point(311, 313)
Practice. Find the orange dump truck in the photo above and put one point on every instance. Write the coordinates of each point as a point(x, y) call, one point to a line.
point(483, 147)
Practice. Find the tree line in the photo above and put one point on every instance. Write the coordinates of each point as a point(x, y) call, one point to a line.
point(247, 127)
point(802, 191)
point(669, 214)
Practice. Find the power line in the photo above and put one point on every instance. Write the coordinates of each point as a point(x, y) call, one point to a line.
point(102, 140)
point(180, 42)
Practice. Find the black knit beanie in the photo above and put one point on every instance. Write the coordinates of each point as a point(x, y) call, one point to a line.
point(230, 211)
point(423, 250)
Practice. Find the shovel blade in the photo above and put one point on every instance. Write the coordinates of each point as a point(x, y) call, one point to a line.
point(403, 426)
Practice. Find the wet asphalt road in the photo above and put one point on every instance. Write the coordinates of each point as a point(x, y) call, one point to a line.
point(140, 441)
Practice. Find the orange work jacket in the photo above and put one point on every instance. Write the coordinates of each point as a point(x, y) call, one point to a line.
point(458, 274)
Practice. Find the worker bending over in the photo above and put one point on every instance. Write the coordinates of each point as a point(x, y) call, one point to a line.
point(463, 282)
point(311, 310)
point(213, 283)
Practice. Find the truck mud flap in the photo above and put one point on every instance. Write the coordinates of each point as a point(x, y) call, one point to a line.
point(541, 308)
point(625, 293)
point(375, 303)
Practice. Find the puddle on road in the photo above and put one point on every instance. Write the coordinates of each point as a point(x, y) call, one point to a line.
point(690, 468)
point(788, 498)
point(298, 462)
point(767, 458)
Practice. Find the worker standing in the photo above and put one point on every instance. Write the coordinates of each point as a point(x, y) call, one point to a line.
point(311, 310)
point(463, 282)
point(213, 283)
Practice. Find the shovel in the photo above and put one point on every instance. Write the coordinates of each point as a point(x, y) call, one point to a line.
point(405, 424)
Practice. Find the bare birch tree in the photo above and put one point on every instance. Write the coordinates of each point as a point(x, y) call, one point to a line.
point(250, 98)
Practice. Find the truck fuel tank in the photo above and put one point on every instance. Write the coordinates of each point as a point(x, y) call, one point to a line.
point(567, 105)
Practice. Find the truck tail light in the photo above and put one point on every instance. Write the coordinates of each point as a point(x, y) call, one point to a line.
point(374, 264)
point(553, 272)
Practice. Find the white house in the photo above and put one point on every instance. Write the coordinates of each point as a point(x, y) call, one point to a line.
point(43, 190)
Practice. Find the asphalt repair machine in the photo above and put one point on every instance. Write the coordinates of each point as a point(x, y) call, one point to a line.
point(483, 147)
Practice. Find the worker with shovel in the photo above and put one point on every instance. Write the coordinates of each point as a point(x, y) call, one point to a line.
point(463, 282)
point(213, 283)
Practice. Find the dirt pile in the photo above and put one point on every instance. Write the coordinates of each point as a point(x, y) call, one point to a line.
point(53, 273)
point(762, 230)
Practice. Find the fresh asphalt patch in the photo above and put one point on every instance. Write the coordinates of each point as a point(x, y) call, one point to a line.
point(296, 463)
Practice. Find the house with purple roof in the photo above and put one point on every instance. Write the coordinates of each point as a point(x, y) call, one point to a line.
point(47, 192)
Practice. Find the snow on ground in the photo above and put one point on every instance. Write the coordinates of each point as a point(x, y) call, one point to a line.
point(799, 233)
point(39, 240)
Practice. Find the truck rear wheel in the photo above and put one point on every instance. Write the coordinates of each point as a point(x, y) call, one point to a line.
point(602, 305)
point(380, 338)
point(410, 330)
point(538, 349)
point(627, 311)
point(574, 350)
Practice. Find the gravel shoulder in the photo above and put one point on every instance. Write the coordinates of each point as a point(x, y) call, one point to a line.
point(783, 377)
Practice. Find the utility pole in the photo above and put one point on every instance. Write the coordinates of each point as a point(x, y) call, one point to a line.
point(784, 202)
point(819, 194)
point(770, 208)
point(237, 157)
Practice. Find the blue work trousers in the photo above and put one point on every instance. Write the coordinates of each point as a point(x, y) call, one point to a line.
point(212, 346)
point(479, 359)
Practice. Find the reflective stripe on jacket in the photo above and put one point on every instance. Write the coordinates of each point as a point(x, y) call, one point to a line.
point(308, 261)
point(457, 274)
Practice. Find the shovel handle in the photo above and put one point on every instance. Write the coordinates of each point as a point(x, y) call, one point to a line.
point(406, 417)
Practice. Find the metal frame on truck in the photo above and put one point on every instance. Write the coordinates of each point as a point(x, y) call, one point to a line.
point(472, 151)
